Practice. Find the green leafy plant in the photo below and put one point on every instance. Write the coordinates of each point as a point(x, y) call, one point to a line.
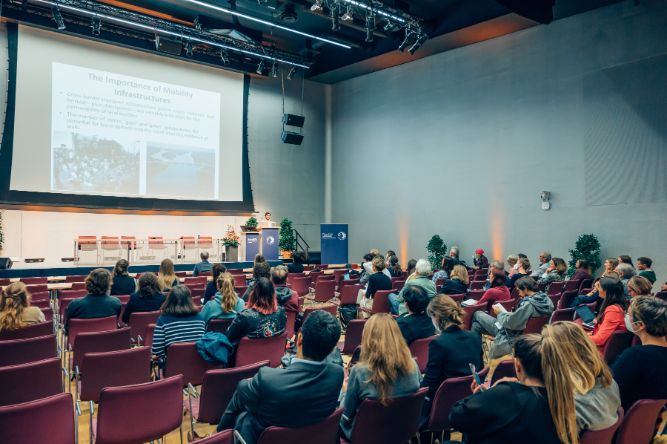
point(587, 247)
point(231, 238)
point(436, 251)
point(287, 239)
point(251, 222)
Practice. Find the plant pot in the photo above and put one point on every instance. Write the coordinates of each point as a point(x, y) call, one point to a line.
point(232, 254)
point(246, 228)
point(287, 254)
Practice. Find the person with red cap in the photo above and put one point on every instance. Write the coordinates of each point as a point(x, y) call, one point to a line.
point(480, 260)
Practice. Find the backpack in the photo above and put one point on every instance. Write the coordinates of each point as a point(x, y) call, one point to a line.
point(347, 313)
point(214, 348)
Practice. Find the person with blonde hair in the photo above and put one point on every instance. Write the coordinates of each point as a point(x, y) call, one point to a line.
point(458, 281)
point(15, 309)
point(511, 261)
point(166, 276)
point(385, 369)
point(639, 286)
point(226, 304)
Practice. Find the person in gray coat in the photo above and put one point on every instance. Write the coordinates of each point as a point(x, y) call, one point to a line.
point(506, 326)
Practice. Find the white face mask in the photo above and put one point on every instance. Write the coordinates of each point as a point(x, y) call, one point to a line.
point(435, 324)
point(629, 324)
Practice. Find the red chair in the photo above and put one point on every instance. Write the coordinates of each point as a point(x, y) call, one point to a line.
point(505, 369)
point(129, 413)
point(325, 431)
point(534, 325)
point(639, 424)
point(290, 323)
point(398, 285)
point(476, 294)
point(195, 281)
point(48, 313)
point(79, 286)
point(148, 339)
point(181, 274)
point(563, 314)
point(62, 308)
point(419, 351)
point(42, 305)
point(76, 278)
point(71, 294)
point(348, 294)
point(25, 423)
point(556, 288)
point(380, 302)
point(554, 299)
point(22, 351)
point(292, 276)
point(183, 359)
point(251, 351)
point(394, 423)
point(617, 343)
point(98, 342)
point(572, 285)
point(38, 288)
point(324, 290)
point(566, 298)
point(30, 331)
point(139, 321)
point(30, 381)
point(40, 296)
point(224, 437)
point(585, 283)
point(355, 329)
point(219, 325)
point(301, 285)
point(468, 313)
point(477, 285)
point(34, 280)
point(240, 280)
point(604, 436)
point(5, 281)
point(458, 298)
point(329, 308)
point(508, 305)
point(240, 291)
point(80, 325)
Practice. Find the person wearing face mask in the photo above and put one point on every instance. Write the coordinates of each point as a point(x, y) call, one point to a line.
point(450, 354)
point(640, 370)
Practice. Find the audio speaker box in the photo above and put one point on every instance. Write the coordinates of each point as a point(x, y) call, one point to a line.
point(293, 120)
point(292, 138)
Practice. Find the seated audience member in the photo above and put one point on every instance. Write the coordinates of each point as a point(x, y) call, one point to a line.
point(378, 280)
point(625, 259)
point(594, 294)
point(596, 394)
point(259, 258)
point(612, 312)
point(415, 324)
point(259, 270)
point(496, 267)
point(536, 407)
point(410, 271)
point(458, 281)
point(97, 303)
point(304, 393)
point(639, 286)
point(422, 270)
point(443, 272)
point(166, 275)
point(262, 317)
point(285, 295)
point(644, 266)
point(454, 256)
point(454, 348)
point(479, 260)
point(204, 266)
point(385, 369)
point(506, 326)
point(122, 282)
point(367, 268)
point(522, 270)
point(610, 265)
point(511, 261)
point(555, 273)
point(640, 370)
point(395, 267)
point(15, 309)
point(389, 254)
point(180, 321)
point(582, 270)
point(625, 272)
point(497, 292)
point(226, 304)
point(296, 266)
point(544, 259)
point(212, 285)
point(147, 298)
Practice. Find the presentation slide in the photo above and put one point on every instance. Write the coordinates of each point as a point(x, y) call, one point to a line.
point(101, 120)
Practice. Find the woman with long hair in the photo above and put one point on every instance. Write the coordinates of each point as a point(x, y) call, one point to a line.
point(410, 270)
point(498, 290)
point(611, 317)
point(122, 282)
point(262, 317)
point(458, 281)
point(149, 297)
point(555, 273)
point(212, 285)
point(225, 304)
point(639, 286)
point(166, 275)
point(15, 309)
point(385, 368)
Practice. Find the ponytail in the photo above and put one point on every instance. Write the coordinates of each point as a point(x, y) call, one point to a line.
point(225, 284)
point(14, 299)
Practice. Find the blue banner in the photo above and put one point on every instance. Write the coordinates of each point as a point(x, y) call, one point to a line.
point(334, 243)
point(251, 246)
point(270, 238)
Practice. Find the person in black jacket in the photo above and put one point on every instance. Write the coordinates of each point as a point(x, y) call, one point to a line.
point(415, 324)
point(458, 281)
point(376, 281)
point(147, 298)
point(262, 318)
point(97, 303)
point(304, 393)
point(123, 283)
point(212, 286)
point(298, 260)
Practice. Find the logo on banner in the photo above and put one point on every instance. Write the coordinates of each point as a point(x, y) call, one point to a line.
point(342, 236)
point(327, 236)
point(270, 240)
point(252, 240)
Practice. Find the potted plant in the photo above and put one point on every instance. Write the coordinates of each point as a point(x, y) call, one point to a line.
point(250, 224)
point(287, 242)
point(587, 247)
point(231, 243)
point(436, 251)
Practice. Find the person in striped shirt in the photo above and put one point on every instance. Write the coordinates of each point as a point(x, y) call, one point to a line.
point(180, 321)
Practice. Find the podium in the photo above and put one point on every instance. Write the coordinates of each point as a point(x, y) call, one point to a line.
point(251, 243)
point(270, 243)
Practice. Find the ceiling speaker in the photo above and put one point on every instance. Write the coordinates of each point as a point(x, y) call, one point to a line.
point(291, 138)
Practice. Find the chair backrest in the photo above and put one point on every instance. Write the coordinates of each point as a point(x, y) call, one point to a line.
point(398, 284)
point(75, 278)
point(355, 329)
point(113, 369)
point(239, 280)
point(585, 283)
point(617, 343)
point(301, 285)
point(556, 287)
point(449, 393)
point(329, 308)
point(476, 285)
point(325, 431)
point(219, 325)
point(29, 331)
point(81, 286)
point(30, 381)
point(26, 423)
point(419, 350)
point(48, 314)
point(395, 423)
point(251, 351)
point(468, 313)
point(71, 294)
point(504, 369)
point(348, 294)
point(129, 413)
point(458, 298)
point(218, 388)
point(290, 323)
point(195, 281)
point(554, 299)
point(38, 288)
point(476, 294)
point(183, 359)
point(148, 339)
point(381, 302)
point(324, 290)
point(139, 321)
point(604, 436)
point(572, 284)
point(566, 298)
point(562, 314)
point(99, 341)
point(639, 424)
point(535, 324)
point(80, 325)
point(224, 437)
point(42, 305)
point(39, 296)
point(21, 351)
point(34, 280)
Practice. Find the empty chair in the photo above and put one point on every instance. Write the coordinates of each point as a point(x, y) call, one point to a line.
point(535, 324)
point(380, 302)
point(617, 343)
point(21, 351)
point(38, 288)
point(139, 321)
point(398, 285)
point(504, 369)
point(604, 436)
point(75, 278)
point(330, 308)
point(556, 288)
point(79, 286)
point(5, 281)
point(355, 328)
point(29, 331)
point(554, 299)
point(27, 423)
point(71, 294)
point(30, 381)
point(477, 285)
point(251, 351)
point(419, 350)
point(80, 325)
point(224, 437)
point(639, 424)
point(36, 296)
point(97, 342)
point(301, 285)
point(324, 290)
point(195, 281)
point(219, 325)
point(566, 298)
point(325, 431)
point(348, 294)
point(139, 413)
point(42, 305)
point(239, 280)
point(458, 298)
point(183, 359)
point(290, 322)
point(34, 280)
point(48, 314)
point(562, 314)
point(394, 423)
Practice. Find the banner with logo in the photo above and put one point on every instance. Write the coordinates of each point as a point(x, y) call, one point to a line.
point(251, 246)
point(270, 243)
point(334, 243)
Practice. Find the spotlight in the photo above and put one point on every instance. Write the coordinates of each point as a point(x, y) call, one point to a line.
point(291, 73)
point(370, 28)
point(274, 70)
point(409, 35)
point(224, 57)
point(335, 15)
point(418, 43)
point(390, 27)
point(317, 6)
point(58, 18)
point(260, 68)
point(188, 48)
point(96, 25)
point(347, 17)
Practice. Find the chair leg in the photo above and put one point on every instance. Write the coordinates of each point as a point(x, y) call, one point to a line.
point(90, 423)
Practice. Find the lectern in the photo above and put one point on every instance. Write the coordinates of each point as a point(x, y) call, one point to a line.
point(270, 243)
point(251, 245)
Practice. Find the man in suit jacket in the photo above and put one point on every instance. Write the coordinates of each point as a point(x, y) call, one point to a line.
point(304, 393)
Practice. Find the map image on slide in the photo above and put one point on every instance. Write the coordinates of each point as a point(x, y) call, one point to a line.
point(91, 164)
point(180, 171)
